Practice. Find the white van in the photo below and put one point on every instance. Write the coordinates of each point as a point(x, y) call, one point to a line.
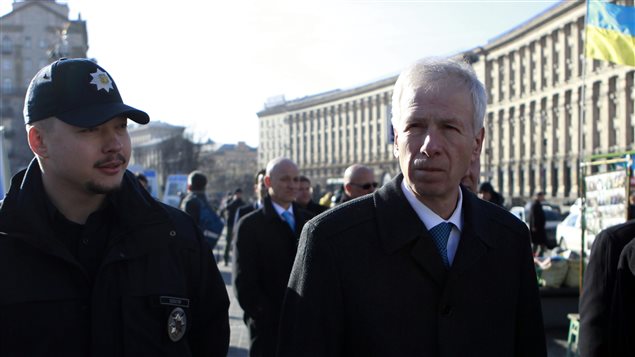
point(175, 189)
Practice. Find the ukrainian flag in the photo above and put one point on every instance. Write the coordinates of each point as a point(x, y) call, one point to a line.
point(610, 32)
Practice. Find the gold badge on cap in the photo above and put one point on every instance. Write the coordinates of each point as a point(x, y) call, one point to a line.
point(101, 80)
point(177, 323)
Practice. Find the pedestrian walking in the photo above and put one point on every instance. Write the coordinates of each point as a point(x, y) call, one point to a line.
point(537, 223)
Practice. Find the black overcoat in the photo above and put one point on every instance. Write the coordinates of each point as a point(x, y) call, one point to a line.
point(369, 281)
point(598, 289)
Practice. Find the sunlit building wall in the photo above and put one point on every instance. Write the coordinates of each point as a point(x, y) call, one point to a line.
point(326, 133)
point(32, 35)
point(537, 78)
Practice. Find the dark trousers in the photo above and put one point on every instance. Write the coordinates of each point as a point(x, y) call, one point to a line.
point(228, 246)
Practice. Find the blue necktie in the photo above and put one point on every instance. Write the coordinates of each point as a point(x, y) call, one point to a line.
point(440, 234)
point(288, 217)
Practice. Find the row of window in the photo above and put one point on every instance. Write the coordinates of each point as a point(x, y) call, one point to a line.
point(7, 44)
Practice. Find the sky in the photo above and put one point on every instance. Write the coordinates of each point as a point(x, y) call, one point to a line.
point(211, 65)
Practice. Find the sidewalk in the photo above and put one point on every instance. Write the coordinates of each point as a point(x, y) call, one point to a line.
point(239, 338)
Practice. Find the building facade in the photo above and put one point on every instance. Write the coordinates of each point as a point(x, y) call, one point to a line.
point(326, 133)
point(34, 34)
point(549, 106)
point(164, 148)
point(540, 88)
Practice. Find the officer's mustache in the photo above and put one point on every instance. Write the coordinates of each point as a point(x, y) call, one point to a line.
point(111, 161)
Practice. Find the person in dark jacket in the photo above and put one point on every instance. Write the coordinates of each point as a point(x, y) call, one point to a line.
point(486, 192)
point(266, 243)
point(90, 263)
point(622, 332)
point(260, 191)
point(598, 298)
point(414, 269)
point(537, 223)
point(359, 180)
point(230, 215)
point(305, 197)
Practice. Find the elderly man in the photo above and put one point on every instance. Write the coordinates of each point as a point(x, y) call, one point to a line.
point(358, 181)
point(266, 242)
point(422, 267)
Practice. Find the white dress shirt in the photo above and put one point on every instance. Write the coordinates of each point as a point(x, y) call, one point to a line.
point(431, 219)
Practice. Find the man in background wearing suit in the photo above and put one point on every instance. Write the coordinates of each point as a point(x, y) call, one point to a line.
point(421, 267)
point(266, 243)
point(260, 191)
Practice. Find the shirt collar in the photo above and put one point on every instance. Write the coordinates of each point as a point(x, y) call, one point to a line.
point(427, 216)
point(281, 210)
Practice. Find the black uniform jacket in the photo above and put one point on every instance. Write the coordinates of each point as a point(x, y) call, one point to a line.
point(368, 280)
point(598, 289)
point(263, 256)
point(155, 264)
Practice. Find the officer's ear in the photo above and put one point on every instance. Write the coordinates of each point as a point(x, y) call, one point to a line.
point(36, 141)
point(38, 135)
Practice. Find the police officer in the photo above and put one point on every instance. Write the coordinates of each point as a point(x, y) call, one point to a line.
point(90, 263)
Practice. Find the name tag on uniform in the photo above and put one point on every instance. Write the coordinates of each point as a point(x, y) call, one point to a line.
point(174, 301)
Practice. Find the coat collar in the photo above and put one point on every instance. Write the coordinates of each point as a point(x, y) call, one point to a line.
point(25, 208)
point(399, 226)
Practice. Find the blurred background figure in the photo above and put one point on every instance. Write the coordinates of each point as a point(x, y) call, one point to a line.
point(359, 180)
point(471, 177)
point(230, 212)
point(305, 197)
point(195, 204)
point(143, 180)
point(260, 191)
point(487, 193)
point(631, 206)
point(537, 224)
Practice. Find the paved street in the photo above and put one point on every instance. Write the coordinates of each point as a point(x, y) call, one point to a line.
point(239, 340)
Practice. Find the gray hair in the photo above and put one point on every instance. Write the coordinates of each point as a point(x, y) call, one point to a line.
point(424, 74)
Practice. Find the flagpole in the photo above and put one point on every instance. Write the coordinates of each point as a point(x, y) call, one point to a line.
point(581, 103)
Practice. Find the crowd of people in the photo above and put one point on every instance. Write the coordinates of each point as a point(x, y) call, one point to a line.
point(92, 265)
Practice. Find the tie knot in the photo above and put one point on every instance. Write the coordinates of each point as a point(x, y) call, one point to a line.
point(288, 217)
point(441, 231)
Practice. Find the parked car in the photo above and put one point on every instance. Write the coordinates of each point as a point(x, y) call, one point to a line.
point(569, 234)
point(552, 218)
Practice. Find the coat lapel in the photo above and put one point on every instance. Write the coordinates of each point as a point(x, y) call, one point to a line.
point(475, 240)
point(399, 226)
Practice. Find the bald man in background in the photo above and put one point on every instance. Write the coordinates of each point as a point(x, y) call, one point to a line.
point(264, 251)
point(359, 180)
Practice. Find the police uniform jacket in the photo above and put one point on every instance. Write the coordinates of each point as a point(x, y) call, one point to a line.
point(368, 280)
point(157, 291)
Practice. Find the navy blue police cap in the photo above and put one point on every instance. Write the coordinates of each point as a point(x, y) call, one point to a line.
point(78, 92)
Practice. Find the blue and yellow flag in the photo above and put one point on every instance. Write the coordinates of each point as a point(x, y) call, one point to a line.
point(610, 32)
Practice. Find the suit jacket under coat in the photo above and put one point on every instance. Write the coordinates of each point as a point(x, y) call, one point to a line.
point(264, 251)
point(369, 281)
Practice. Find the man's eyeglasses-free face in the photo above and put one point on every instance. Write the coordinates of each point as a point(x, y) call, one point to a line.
point(365, 186)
